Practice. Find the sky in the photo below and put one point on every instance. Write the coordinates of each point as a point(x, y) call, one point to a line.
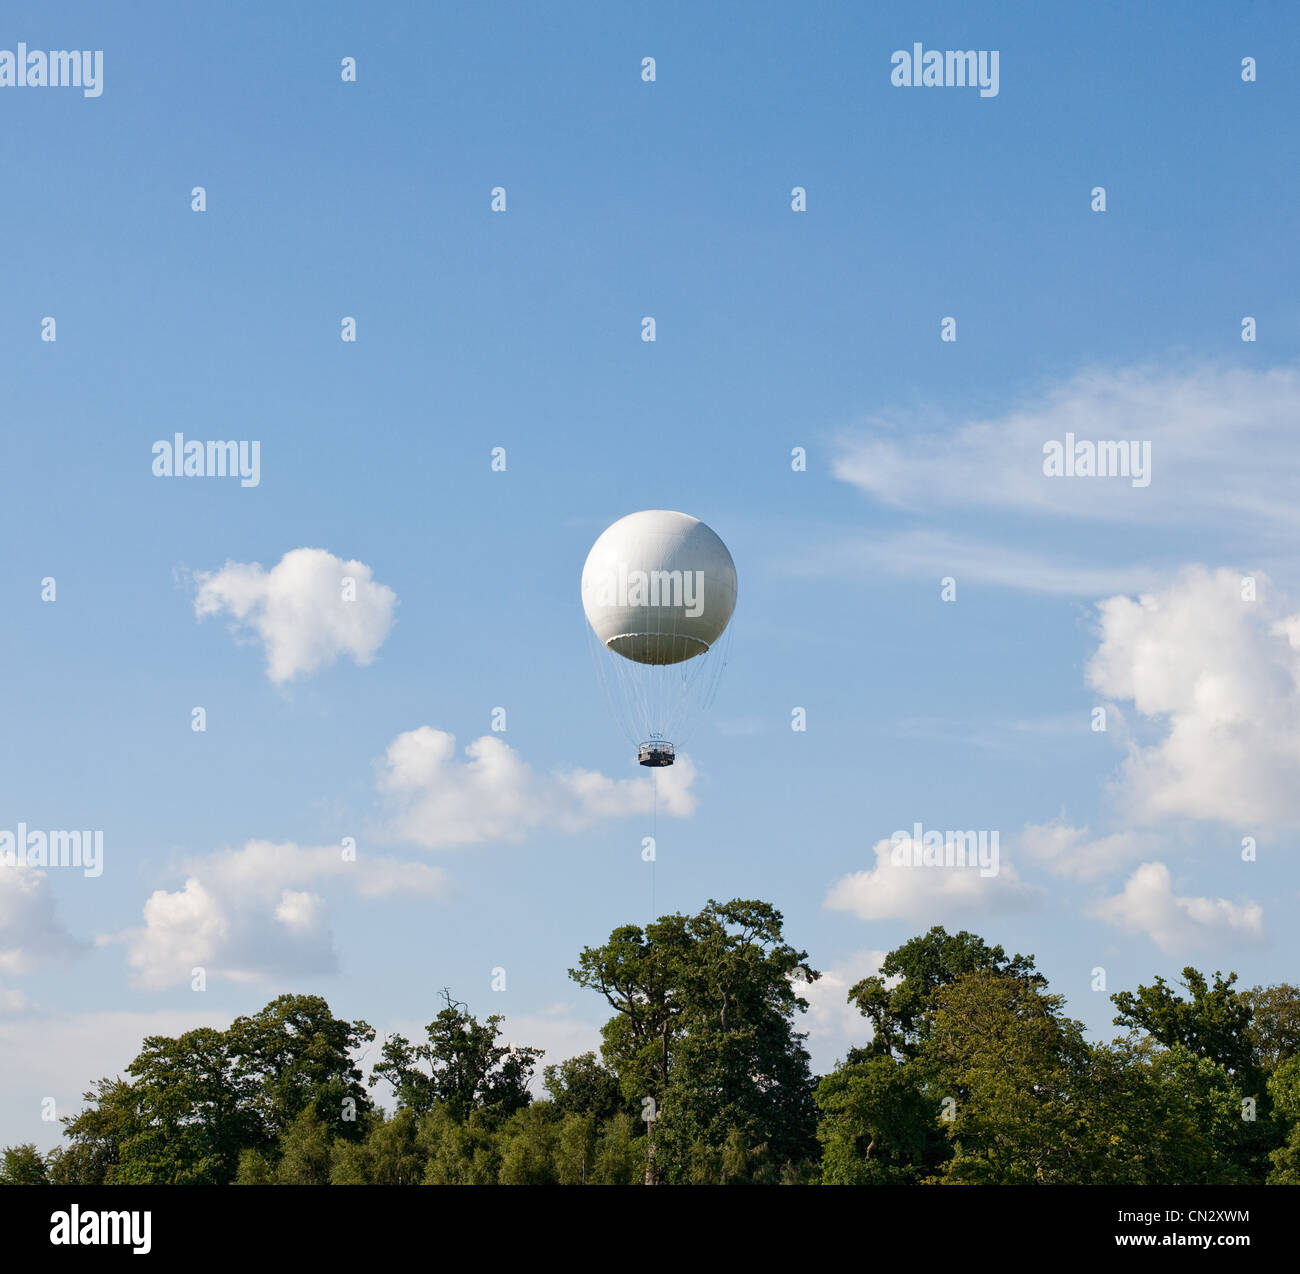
point(950, 618)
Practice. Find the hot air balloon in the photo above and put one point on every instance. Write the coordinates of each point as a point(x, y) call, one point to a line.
point(658, 588)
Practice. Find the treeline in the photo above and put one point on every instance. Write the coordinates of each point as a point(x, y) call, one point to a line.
point(971, 1074)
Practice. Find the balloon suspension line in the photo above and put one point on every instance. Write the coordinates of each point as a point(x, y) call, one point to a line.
point(654, 835)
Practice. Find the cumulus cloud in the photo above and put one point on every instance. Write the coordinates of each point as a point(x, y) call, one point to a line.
point(302, 610)
point(1148, 905)
point(1222, 443)
point(249, 913)
point(30, 929)
point(437, 799)
point(1218, 678)
point(1074, 851)
point(896, 889)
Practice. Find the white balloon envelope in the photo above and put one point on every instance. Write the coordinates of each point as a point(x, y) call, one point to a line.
point(659, 589)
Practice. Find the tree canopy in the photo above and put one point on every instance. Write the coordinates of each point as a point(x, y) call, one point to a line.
point(968, 1071)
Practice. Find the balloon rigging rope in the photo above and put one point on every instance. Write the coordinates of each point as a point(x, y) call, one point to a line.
point(654, 836)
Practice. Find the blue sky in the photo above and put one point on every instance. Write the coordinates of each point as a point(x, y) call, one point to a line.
point(522, 330)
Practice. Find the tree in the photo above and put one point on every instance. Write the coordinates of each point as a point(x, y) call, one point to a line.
point(1213, 1023)
point(582, 1086)
point(23, 1166)
point(704, 1026)
point(917, 970)
point(1006, 1065)
point(97, 1135)
point(394, 1154)
point(295, 1053)
point(879, 1125)
point(193, 1112)
point(529, 1141)
point(575, 1150)
point(197, 1106)
point(461, 1066)
point(305, 1151)
point(1284, 1089)
point(1274, 1031)
point(620, 1153)
point(459, 1154)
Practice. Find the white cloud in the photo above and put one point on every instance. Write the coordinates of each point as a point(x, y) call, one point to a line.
point(936, 554)
point(1073, 851)
point(438, 800)
point(931, 895)
point(833, 1024)
point(1222, 440)
point(298, 611)
point(245, 914)
point(14, 1003)
point(1148, 905)
point(30, 929)
point(1219, 680)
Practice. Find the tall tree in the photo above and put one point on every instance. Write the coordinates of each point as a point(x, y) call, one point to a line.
point(704, 1026)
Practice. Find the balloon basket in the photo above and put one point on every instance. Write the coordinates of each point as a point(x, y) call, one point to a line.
point(656, 753)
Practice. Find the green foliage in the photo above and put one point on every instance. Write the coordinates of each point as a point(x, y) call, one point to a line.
point(1009, 1063)
point(972, 1074)
point(459, 1154)
point(704, 1025)
point(305, 1151)
point(23, 1166)
point(1274, 1032)
point(917, 970)
point(255, 1169)
point(620, 1153)
point(879, 1124)
point(196, 1103)
point(293, 1054)
point(1214, 1023)
point(582, 1086)
point(460, 1066)
point(1284, 1090)
point(392, 1153)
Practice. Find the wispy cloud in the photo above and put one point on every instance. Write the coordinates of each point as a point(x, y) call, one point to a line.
point(1222, 446)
